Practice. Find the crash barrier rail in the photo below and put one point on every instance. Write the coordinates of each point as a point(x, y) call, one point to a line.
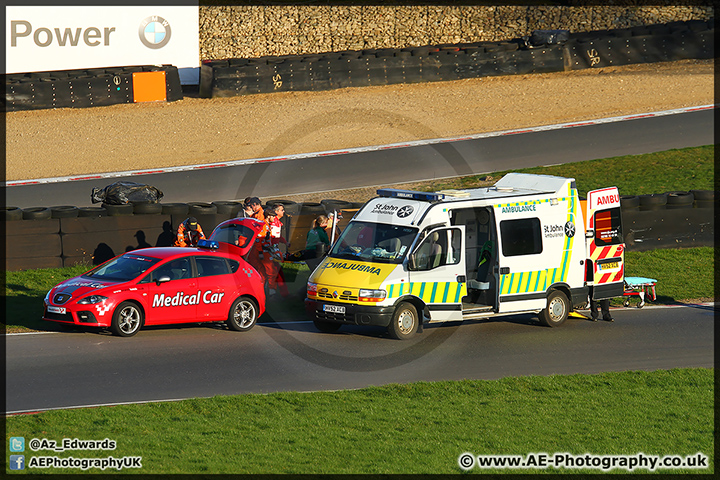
point(53, 237)
point(92, 87)
point(42, 237)
point(544, 51)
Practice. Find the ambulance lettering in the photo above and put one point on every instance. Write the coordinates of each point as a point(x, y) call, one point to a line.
point(180, 298)
point(519, 209)
point(353, 266)
point(608, 200)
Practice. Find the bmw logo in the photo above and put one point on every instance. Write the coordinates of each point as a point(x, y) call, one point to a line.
point(569, 229)
point(154, 32)
point(405, 211)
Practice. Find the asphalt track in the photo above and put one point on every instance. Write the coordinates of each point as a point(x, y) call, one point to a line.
point(60, 370)
point(417, 161)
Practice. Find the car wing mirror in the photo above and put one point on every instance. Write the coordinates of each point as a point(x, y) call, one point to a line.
point(162, 279)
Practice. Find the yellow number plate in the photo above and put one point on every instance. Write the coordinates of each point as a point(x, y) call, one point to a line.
point(609, 266)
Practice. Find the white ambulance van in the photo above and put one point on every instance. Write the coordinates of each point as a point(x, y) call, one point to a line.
point(526, 244)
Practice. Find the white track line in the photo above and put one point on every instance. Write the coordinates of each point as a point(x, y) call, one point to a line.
point(234, 163)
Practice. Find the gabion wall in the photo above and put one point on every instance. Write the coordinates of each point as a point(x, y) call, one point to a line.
point(256, 31)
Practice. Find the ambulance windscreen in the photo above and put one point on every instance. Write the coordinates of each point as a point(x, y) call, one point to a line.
point(374, 242)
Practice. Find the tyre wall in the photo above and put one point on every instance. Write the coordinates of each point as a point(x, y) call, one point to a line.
point(92, 87)
point(597, 49)
point(90, 235)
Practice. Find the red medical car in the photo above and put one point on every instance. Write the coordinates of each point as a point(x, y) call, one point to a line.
point(167, 285)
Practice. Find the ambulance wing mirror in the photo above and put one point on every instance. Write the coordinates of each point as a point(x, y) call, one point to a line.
point(412, 262)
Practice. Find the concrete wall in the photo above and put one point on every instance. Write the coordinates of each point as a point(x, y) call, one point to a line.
point(255, 31)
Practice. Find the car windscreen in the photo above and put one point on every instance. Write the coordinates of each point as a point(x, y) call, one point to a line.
point(374, 242)
point(233, 234)
point(123, 268)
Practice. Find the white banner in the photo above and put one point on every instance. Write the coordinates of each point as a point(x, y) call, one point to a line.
point(39, 39)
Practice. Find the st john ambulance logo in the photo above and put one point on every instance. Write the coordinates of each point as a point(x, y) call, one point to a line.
point(154, 32)
point(405, 211)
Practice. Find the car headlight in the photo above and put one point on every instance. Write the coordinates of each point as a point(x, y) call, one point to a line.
point(92, 299)
point(47, 297)
point(312, 289)
point(371, 295)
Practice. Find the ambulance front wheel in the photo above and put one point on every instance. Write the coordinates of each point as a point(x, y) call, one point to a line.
point(404, 321)
point(558, 307)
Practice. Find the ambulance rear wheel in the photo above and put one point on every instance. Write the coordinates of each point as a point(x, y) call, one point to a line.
point(404, 322)
point(558, 307)
point(326, 327)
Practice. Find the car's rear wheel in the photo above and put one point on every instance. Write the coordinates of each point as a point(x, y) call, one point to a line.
point(243, 314)
point(127, 319)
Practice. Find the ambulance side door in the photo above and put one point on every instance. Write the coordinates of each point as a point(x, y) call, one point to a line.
point(606, 247)
point(437, 272)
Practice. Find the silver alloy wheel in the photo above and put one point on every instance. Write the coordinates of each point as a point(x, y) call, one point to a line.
point(129, 320)
point(244, 314)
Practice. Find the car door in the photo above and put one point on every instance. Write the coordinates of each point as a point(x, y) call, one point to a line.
point(216, 287)
point(174, 300)
point(437, 272)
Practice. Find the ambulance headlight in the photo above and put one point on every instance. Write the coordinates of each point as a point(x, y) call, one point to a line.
point(372, 295)
point(92, 299)
point(312, 289)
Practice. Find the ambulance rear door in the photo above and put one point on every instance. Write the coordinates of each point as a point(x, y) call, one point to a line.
point(605, 244)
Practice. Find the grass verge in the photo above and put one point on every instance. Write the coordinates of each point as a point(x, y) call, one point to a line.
point(672, 268)
point(412, 428)
point(668, 171)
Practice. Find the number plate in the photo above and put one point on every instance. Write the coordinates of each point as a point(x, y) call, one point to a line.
point(608, 266)
point(333, 309)
point(52, 309)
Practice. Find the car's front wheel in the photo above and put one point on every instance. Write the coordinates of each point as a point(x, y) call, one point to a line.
point(243, 314)
point(127, 319)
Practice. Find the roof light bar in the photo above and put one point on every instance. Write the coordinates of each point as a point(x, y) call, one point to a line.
point(211, 244)
point(410, 194)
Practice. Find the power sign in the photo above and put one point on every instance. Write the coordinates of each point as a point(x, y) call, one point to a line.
point(41, 39)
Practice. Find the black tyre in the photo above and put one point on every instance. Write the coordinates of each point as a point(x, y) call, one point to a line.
point(703, 195)
point(680, 200)
point(200, 208)
point(653, 201)
point(118, 210)
point(92, 212)
point(147, 208)
point(312, 208)
point(338, 205)
point(327, 327)
point(404, 322)
point(558, 308)
point(629, 202)
point(243, 314)
point(36, 213)
point(64, 211)
point(175, 208)
point(227, 208)
point(127, 319)
point(11, 213)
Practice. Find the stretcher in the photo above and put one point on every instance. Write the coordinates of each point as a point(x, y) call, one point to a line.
point(639, 287)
